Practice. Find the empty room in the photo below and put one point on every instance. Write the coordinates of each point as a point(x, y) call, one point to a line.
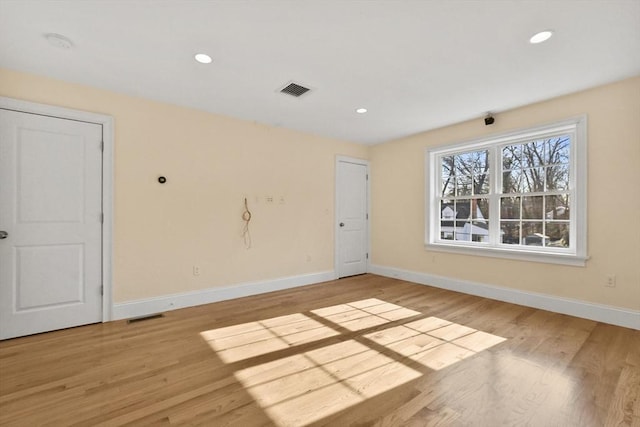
point(320, 213)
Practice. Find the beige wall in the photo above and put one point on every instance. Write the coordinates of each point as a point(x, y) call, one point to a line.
point(397, 182)
point(211, 163)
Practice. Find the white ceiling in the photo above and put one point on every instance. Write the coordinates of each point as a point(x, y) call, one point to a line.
point(416, 65)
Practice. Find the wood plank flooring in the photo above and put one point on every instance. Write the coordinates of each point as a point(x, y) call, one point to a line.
point(360, 351)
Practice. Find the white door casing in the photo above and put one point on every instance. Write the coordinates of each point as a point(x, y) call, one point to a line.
point(352, 218)
point(56, 256)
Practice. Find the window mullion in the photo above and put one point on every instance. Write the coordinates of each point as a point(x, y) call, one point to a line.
point(494, 197)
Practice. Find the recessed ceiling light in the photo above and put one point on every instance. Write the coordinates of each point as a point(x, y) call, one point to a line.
point(540, 37)
point(361, 110)
point(203, 58)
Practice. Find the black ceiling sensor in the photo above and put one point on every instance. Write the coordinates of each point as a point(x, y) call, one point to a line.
point(294, 89)
point(489, 120)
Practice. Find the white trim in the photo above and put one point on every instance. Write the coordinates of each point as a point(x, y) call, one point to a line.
point(107, 180)
point(143, 307)
point(545, 257)
point(336, 221)
point(599, 312)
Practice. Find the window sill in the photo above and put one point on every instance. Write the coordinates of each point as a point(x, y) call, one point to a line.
point(519, 255)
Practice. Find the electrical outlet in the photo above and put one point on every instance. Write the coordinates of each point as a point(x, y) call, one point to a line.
point(611, 281)
point(196, 270)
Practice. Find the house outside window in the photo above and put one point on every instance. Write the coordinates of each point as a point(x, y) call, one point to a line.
point(520, 195)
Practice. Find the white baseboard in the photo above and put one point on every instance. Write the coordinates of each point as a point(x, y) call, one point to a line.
point(143, 307)
point(587, 310)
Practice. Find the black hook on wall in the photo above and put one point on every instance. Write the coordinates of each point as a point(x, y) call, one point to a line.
point(162, 179)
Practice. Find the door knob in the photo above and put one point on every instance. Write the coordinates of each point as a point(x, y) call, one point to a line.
point(342, 224)
point(3, 234)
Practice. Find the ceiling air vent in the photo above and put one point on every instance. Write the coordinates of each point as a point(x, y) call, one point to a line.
point(294, 90)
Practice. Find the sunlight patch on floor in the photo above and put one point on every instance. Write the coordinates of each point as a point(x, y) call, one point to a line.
point(433, 342)
point(309, 386)
point(239, 342)
point(364, 314)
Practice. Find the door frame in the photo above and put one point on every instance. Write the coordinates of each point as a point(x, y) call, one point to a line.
point(336, 221)
point(107, 180)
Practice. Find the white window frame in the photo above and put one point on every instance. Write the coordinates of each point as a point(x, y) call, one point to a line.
point(575, 255)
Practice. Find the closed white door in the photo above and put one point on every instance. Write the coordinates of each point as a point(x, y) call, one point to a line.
point(50, 223)
point(352, 217)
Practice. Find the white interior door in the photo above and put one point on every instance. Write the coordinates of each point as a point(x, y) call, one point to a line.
point(50, 213)
point(352, 232)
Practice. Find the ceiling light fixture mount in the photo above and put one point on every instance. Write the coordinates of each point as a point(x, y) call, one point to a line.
point(59, 41)
point(361, 110)
point(203, 58)
point(541, 36)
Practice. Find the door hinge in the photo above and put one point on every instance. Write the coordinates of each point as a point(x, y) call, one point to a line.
point(367, 255)
point(102, 146)
point(102, 290)
point(101, 218)
point(367, 216)
point(367, 177)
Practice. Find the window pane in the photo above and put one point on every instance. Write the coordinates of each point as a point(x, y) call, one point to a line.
point(463, 231)
point(511, 157)
point(446, 230)
point(447, 210)
point(447, 167)
point(557, 177)
point(481, 162)
point(480, 209)
point(533, 180)
point(532, 234)
point(557, 207)
point(510, 208)
point(463, 209)
point(481, 184)
point(557, 150)
point(512, 181)
point(533, 154)
point(479, 231)
point(532, 207)
point(448, 188)
point(558, 233)
point(463, 186)
point(464, 163)
point(510, 233)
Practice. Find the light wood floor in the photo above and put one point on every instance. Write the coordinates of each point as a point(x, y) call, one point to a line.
point(360, 351)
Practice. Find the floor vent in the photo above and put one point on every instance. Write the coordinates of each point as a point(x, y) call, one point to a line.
point(141, 318)
point(294, 89)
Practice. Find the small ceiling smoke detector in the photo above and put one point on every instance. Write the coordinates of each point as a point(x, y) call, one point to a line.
point(361, 110)
point(203, 58)
point(540, 37)
point(294, 89)
point(59, 41)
